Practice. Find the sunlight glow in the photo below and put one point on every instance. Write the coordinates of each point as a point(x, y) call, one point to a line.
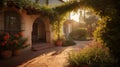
point(65, 0)
point(75, 16)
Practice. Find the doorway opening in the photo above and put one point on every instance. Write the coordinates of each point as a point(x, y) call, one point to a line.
point(38, 33)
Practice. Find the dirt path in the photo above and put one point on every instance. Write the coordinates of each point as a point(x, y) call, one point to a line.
point(55, 58)
point(52, 57)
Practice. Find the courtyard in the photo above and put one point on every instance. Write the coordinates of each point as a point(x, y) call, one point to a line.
point(50, 57)
point(58, 33)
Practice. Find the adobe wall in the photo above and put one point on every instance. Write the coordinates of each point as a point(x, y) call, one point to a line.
point(29, 20)
point(27, 24)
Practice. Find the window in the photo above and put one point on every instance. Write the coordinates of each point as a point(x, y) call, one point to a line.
point(12, 22)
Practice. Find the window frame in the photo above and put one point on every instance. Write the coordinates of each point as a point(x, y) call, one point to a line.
point(12, 22)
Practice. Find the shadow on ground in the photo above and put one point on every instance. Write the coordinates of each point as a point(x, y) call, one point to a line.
point(29, 55)
point(49, 57)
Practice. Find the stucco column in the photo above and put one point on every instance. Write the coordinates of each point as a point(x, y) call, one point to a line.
point(48, 30)
point(27, 21)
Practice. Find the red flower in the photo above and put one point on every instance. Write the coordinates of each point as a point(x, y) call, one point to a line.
point(10, 42)
point(7, 36)
point(16, 35)
point(20, 34)
point(3, 43)
point(15, 41)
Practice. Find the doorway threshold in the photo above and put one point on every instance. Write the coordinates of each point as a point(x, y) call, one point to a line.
point(41, 46)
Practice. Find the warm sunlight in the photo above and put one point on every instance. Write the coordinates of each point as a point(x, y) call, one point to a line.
point(65, 0)
point(75, 16)
point(59, 33)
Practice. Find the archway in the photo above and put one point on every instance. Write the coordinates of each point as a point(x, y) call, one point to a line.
point(38, 33)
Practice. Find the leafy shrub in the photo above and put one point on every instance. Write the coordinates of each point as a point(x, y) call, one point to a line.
point(95, 55)
point(12, 41)
point(69, 42)
point(80, 34)
point(108, 33)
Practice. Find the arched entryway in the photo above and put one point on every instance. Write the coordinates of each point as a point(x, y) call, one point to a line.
point(38, 33)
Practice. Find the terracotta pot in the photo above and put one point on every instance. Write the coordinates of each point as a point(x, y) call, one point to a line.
point(6, 54)
point(59, 42)
point(16, 52)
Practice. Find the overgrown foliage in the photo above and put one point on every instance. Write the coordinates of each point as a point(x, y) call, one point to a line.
point(79, 34)
point(108, 32)
point(69, 42)
point(12, 41)
point(91, 23)
point(93, 55)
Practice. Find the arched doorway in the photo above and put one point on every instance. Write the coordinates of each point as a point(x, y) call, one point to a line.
point(38, 33)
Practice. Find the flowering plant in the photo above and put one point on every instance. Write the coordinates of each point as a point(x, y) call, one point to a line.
point(12, 41)
point(4, 42)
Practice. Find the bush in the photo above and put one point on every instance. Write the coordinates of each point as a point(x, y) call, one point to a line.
point(68, 42)
point(108, 33)
point(12, 41)
point(94, 55)
point(80, 34)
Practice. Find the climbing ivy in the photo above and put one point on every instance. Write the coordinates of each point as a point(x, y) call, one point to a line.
point(108, 32)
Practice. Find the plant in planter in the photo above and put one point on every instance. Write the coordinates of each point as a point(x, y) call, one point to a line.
point(60, 39)
point(12, 42)
point(5, 45)
point(18, 42)
point(59, 42)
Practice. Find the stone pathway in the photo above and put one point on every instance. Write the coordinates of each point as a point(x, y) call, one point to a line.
point(52, 57)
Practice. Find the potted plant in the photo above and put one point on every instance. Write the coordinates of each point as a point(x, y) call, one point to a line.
point(5, 46)
point(11, 44)
point(60, 39)
point(59, 42)
point(18, 42)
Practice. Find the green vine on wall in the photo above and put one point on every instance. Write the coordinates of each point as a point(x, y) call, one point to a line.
point(110, 34)
point(56, 15)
